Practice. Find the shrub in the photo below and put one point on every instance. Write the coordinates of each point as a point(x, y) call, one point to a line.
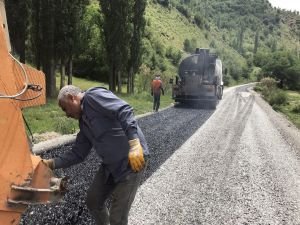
point(265, 92)
point(258, 88)
point(269, 83)
point(190, 45)
point(159, 47)
point(207, 26)
point(278, 98)
point(268, 87)
point(212, 44)
point(184, 11)
point(164, 2)
point(143, 79)
point(199, 20)
point(296, 108)
point(276, 107)
point(206, 35)
point(293, 77)
point(227, 79)
point(174, 55)
point(187, 45)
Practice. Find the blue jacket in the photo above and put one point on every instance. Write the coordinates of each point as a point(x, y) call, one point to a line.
point(106, 124)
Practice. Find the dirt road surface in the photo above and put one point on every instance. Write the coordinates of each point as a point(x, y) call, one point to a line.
point(240, 167)
point(238, 164)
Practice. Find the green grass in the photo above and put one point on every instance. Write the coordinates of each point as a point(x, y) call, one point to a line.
point(84, 83)
point(50, 117)
point(143, 102)
point(289, 108)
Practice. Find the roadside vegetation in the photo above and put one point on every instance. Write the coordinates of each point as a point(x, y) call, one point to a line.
point(282, 100)
point(50, 118)
point(86, 43)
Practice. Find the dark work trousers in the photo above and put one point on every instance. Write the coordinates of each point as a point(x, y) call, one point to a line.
point(156, 102)
point(122, 195)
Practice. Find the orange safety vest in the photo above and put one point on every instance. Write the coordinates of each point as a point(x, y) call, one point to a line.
point(156, 86)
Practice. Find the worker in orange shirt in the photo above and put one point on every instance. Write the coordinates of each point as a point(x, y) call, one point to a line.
point(156, 90)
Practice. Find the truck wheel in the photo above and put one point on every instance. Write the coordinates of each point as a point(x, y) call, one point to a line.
point(220, 92)
point(213, 105)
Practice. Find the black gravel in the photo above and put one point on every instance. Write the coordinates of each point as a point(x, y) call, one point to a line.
point(165, 131)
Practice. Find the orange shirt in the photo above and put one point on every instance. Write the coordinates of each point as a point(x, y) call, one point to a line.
point(156, 86)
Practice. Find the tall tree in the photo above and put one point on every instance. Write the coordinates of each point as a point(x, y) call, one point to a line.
point(139, 23)
point(69, 14)
point(116, 37)
point(123, 25)
point(75, 15)
point(47, 32)
point(35, 29)
point(54, 30)
point(111, 37)
point(18, 19)
point(256, 42)
point(240, 38)
point(61, 39)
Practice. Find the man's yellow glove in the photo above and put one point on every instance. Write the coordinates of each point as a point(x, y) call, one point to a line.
point(136, 155)
point(49, 163)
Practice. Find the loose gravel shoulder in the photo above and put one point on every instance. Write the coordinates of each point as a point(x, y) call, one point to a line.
point(286, 128)
point(234, 165)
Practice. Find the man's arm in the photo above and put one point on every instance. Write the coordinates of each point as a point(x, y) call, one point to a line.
point(161, 88)
point(76, 155)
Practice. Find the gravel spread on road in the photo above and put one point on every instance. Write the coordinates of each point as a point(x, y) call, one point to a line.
point(234, 165)
point(165, 132)
point(237, 168)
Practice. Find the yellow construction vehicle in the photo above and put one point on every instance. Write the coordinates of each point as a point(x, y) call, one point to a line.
point(24, 178)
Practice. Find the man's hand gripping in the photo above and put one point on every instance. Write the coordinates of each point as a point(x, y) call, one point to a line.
point(136, 155)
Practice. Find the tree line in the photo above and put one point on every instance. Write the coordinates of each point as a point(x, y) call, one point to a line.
point(254, 29)
point(112, 41)
point(52, 35)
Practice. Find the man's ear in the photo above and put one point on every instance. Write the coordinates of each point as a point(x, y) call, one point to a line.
point(70, 97)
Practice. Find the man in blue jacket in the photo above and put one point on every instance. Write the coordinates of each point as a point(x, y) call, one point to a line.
point(106, 124)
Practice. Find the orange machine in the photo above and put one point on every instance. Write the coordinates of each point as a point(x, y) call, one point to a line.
point(24, 178)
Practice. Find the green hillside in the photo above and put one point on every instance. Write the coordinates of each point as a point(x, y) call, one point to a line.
point(121, 43)
point(95, 40)
point(230, 28)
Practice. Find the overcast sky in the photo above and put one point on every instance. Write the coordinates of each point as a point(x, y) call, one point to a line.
point(286, 4)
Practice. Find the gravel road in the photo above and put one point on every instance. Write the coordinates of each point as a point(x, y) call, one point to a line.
point(238, 164)
point(237, 168)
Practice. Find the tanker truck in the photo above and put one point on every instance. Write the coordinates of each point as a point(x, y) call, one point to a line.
point(199, 79)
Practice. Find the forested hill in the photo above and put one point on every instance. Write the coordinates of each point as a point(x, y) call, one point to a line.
point(97, 40)
point(240, 21)
point(241, 32)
